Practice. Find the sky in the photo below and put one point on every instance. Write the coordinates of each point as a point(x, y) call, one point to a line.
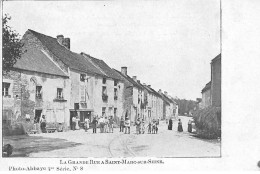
point(166, 44)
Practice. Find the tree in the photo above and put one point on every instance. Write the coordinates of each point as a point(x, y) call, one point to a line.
point(12, 45)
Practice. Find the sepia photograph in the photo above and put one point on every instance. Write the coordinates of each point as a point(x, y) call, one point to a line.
point(110, 80)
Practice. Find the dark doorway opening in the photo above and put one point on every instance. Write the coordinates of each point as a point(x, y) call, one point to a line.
point(37, 116)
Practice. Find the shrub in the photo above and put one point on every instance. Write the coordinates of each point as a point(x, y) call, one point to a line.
point(208, 122)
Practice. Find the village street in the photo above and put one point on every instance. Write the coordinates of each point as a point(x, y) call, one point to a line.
point(81, 144)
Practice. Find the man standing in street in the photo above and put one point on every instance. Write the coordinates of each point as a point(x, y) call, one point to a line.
point(122, 121)
point(111, 124)
point(94, 124)
point(73, 122)
point(127, 125)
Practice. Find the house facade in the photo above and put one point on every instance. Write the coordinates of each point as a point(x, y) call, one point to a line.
point(133, 100)
point(211, 93)
point(35, 86)
point(216, 81)
point(206, 95)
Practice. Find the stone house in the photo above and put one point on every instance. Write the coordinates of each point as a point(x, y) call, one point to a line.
point(216, 81)
point(169, 105)
point(133, 96)
point(206, 95)
point(107, 91)
point(157, 104)
point(35, 86)
point(94, 88)
point(211, 93)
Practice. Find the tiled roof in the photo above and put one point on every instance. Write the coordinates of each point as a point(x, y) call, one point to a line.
point(129, 79)
point(148, 89)
point(207, 87)
point(35, 60)
point(155, 93)
point(71, 59)
point(103, 66)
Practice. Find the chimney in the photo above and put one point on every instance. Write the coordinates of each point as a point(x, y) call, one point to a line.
point(124, 70)
point(134, 78)
point(166, 93)
point(60, 39)
point(149, 86)
point(66, 43)
point(138, 81)
point(160, 91)
point(144, 84)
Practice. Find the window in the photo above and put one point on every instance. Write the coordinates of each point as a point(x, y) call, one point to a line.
point(5, 89)
point(115, 112)
point(104, 93)
point(59, 93)
point(115, 82)
point(103, 111)
point(104, 80)
point(38, 93)
point(82, 77)
point(76, 106)
point(115, 94)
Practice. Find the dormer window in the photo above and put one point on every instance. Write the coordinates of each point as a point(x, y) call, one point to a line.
point(115, 82)
point(82, 77)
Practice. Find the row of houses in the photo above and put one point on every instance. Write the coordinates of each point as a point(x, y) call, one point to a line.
point(49, 79)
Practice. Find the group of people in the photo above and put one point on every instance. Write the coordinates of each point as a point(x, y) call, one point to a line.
point(180, 129)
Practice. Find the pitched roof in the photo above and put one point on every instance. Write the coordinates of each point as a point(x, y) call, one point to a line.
point(69, 58)
point(207, 87)
point(103, 66)
point(155, 92)
point(148, 89)
point(216, 58)
point(35, 60)
point(130, 80)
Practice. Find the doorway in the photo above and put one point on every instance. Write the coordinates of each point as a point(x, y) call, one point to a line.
point(37, 116)
point(72, 114)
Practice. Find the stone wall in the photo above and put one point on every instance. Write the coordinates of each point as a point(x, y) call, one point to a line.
point(216, 82)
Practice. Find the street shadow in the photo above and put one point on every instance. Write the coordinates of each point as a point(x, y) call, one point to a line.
point(24, 144)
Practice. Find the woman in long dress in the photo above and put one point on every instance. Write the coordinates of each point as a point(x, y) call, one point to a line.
point(190, 126)
point(170, 124)
point(43, 124)
point(180, 129)
point(77, 123)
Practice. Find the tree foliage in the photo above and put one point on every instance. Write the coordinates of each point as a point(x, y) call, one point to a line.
point(208, 122)
point(185, 105)
point(12, 45)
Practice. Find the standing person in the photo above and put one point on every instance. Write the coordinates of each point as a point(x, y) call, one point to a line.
point(154, 126)
point(170, 124)
point(106, 125)
point(180, 129)
point(149, 127)
point(190, 126)
point(77, 123)
point(122, 121)
point(127, 125)
point(143, 127)
point(86, 124)
point(111, 124)
point(102, 124)
point(94, 123)
point(43, 124)
point(73, 123)
point(138, 125)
